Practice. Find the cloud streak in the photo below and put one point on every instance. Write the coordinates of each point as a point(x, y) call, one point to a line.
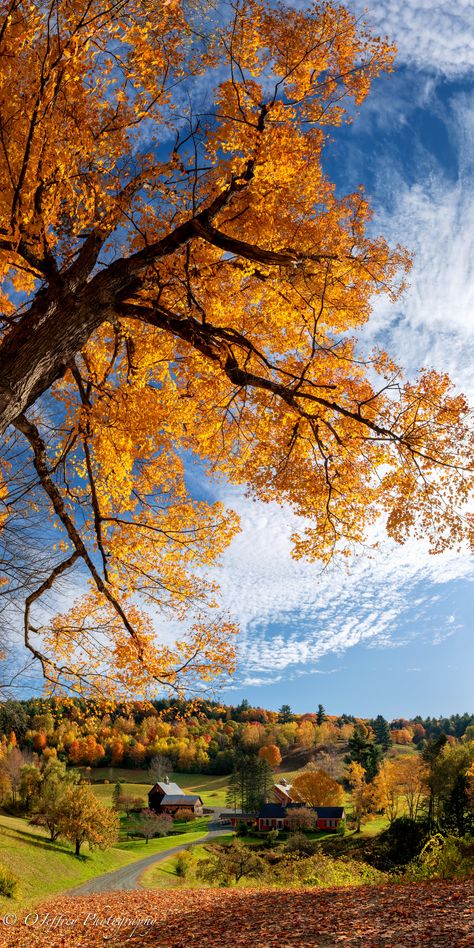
point(293, 614)
point(430, 34)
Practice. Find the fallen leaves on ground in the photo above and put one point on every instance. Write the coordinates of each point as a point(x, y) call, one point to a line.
point(435, 914)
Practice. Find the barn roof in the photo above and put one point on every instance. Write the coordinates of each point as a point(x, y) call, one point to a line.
point(237, 815)
point(330, 812)
point(284, 786)
point(167, 787)
point(180, 799)
point(273, 811)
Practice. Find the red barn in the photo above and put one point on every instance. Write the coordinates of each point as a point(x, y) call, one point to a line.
point(167, 797)
point(273, 816)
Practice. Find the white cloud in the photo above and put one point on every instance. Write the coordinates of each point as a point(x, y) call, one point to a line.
point(432, 325)
point(293, 613)
point(429, 34)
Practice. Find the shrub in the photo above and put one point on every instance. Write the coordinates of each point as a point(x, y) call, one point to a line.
point(186, 815)
point(183, 863)
point(129, 804)
point(271, 838)
point(299, 844)
point(226, 865)
point(403, 841)
point(443, 857)
point(242, 829)
point(322, 870)
point(8, 883)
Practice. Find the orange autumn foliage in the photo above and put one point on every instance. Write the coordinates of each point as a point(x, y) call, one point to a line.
point(271, 753)
point(180, 285)
point(317, 788)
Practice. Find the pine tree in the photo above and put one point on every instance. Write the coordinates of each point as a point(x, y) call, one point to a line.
point(381, 730)
point(364, 752)
point(250, 783)
point(321, 715)
point(117, 793)
point(284, 714)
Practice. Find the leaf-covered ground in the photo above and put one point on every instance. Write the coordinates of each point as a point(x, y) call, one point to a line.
point(434, 914)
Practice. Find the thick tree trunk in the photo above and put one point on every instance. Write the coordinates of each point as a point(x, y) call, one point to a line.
point(78, 847)
point(38, 350)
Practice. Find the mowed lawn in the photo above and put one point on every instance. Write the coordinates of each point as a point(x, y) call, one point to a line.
point(46, 868)
point(212, 790)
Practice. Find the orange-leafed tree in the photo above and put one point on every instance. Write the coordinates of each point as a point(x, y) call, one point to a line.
point(271, 753)
point(317, 788)
point(180, 279)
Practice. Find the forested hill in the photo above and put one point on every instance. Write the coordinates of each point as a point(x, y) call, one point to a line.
point(201, 737)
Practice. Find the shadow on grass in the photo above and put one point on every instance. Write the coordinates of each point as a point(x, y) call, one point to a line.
point(31, 839)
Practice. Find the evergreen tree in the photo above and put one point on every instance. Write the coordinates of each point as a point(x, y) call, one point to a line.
point(236, 788)
point(381, 730)
point(117, 793)
point(249, 784)
point(284, 714)
point(364, 752)
point(321, 714)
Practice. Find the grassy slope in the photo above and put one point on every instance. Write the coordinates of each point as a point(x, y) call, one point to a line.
point(46, 868)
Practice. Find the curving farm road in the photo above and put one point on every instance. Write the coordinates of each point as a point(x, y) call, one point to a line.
point(128, 877)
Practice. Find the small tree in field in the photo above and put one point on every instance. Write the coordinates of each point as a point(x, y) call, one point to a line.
point(159, 768)
point(117, 794)
point(362, 793)
point(228, 864)
point(12, 765)
point(30, 782)
point(47, 803)
point(84, 819)
point(127, 804)
point(150, 824)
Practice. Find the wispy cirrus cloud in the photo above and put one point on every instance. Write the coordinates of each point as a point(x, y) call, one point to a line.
point(430, 34)
point(433, 324)
point(293, 614)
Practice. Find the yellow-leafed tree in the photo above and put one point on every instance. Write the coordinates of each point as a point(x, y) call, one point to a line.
point(181, 280)
point(317, 788)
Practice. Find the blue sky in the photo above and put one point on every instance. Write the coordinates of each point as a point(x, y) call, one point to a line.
point(391, 634)
point(394, 634)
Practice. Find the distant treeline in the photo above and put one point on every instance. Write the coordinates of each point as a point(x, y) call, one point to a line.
point(203, 736)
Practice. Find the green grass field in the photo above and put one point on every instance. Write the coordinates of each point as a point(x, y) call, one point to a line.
point(212, 790)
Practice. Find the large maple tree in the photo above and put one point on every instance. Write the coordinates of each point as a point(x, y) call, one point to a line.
point(181, 279)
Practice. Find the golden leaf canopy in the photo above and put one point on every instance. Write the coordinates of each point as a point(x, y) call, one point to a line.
point(181, 281)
